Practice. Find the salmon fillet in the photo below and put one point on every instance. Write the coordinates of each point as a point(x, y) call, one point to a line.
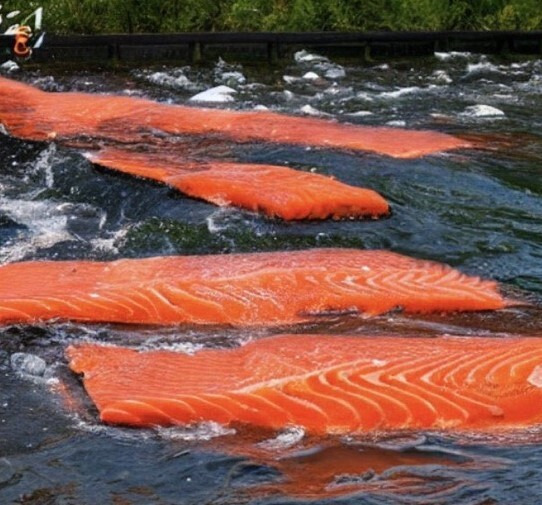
point(32, 114)
point(326, 384)
point(239, 289)
point(274, 190)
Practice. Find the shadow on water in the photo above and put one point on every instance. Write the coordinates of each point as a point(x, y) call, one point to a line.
point(479, 210)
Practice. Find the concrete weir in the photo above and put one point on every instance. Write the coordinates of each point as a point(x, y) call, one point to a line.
point(273, 46)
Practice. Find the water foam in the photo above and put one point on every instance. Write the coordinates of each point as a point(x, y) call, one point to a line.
point(284, 440)
point(309, 110)
point(175, 79)
point(304, 56)
point(198, 432)
point(110, 244)
point(46, 225)
point(9, 67)
point(44, 164)
point(482, 111)
point(451, 55)
point(409, 90)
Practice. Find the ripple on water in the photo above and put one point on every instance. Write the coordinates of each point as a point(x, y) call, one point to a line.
point(479, 210)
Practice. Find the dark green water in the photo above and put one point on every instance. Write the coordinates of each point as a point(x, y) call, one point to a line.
point(478, 210)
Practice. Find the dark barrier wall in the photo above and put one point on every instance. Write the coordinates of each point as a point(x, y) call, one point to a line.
point(195, 47)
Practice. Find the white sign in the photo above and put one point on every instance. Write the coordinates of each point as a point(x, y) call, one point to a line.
point(37, 15)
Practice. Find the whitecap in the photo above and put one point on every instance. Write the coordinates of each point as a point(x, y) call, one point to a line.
point(109, 244)
point(409, 90)
point(174, 80)
point(399, 123)
point(445, 56)
point(482, 67)
point(441, 76)
point(285, 439)
point(231, 78)
point(363, 95)
point(288, 95)
point(336, 90)
point(482, 111)
point(46, 223)
point(304, 56)
point(335, 72)
point(311, 111)
point(221, 219)
point(199, 432)
point(228, 74)
point(360, 113)
point(218, 94)
point(9, 67)
point(311, 76)
point(290, 79)
point(44, 164)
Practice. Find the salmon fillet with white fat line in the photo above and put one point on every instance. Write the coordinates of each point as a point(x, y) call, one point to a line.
point(237, 289)
point(326, 384)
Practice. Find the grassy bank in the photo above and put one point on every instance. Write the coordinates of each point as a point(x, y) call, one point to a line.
point(133, 16)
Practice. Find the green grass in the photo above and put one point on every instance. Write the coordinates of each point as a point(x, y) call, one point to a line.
point(113, 16)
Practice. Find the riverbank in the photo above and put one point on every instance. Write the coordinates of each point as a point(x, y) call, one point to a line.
point(154, 16)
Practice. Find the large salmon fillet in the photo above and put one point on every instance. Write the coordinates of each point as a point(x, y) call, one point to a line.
point(29, 113)
point(326, 384)
point(239, 289)
point(273, 190)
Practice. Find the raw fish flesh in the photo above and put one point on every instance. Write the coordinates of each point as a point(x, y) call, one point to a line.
point(237, 289)
point(271, 189)
point(33, 114)
point(324, 384)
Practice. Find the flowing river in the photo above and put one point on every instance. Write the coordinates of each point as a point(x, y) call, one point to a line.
point(479, 210)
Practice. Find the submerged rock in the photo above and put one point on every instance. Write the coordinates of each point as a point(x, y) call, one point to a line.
point(231, 78)
point(28, 364)
point(228, 74)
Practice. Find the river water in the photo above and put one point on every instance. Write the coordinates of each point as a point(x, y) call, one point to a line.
point(479, 210)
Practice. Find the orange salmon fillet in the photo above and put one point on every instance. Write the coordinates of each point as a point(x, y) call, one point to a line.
point(29, 113)
point(274, 190)
point(326, 384)
point(239, 289)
